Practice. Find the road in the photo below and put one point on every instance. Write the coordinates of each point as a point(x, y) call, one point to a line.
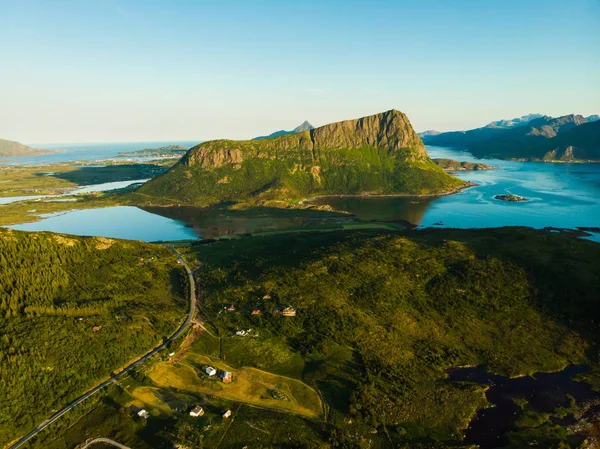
point(107, 441)
point(135, 364)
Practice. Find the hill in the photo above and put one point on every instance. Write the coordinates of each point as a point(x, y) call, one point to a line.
point(378, 154)
point(382, 316)
point(512, 123)
point(381, 319)
point(305, 126)
point(173, 150)
point(11, 148)
point(429, 132)
point(532, 141)
point(72, 310)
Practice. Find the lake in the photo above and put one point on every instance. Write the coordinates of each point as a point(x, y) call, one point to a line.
point(542, 393)
point(560, 195)
point(103, 187)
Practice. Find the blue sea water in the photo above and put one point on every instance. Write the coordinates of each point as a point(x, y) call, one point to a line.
point(560, 195)
point(89, 152)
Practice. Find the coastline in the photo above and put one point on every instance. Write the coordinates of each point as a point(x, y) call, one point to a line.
point(467, 185)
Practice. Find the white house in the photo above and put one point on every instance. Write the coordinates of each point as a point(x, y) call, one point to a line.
point(211, 371)
point(143, 414)
point(197, 411)
point(227, 414)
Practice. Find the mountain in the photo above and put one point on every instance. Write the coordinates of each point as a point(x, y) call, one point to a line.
point(581, 143)
point(378, 154)
point(429, 132)
point(593, 118)
point(530, 141)
point(12, 149)
point(511, 123)
point(305, 126)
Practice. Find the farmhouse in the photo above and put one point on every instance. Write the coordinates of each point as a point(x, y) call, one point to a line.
point(197, 411)
point(211, 371)
point(226, 377)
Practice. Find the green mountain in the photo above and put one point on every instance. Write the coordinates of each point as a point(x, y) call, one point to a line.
point(544, 138)
point(11, 148)
point(305, 126)
point(378, 154)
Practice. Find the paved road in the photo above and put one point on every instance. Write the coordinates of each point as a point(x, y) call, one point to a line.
point(107, 441)
point(135, 364)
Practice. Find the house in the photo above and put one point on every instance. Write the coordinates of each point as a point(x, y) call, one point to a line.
point(197, 411)
point(171, 354)
point(227, 414)
point(96, 328)
point(211, 371)
point(267, 296)
point(288, 311)
point(226, 377)
point(256, 312)
point(230, 308)
point(143, 414)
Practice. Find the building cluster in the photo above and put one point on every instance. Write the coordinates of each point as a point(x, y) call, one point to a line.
point(225, 376)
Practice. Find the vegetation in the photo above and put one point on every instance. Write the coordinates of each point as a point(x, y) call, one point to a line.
point(379, 154)
point(452, 165)
point(382, 316)
point(14, 149)
point(250, 385)
point(71, 311)
point(168, 151)
point(22, 180)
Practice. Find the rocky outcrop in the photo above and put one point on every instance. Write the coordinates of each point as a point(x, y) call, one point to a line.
point(389, 130)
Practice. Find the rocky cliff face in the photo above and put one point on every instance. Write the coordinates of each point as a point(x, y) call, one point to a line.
point(376, 155)
point(389, 130)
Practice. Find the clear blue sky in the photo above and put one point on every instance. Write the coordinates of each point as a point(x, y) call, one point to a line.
point(127, 70)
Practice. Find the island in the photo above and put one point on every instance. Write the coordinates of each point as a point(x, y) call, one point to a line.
point(450, 165)
point(511, 198)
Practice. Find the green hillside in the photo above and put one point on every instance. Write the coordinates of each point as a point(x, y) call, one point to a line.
point(382, 316)
point(11, 148)
point(72, 310)
point(379, 154)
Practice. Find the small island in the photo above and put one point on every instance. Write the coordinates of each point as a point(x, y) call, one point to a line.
point(511, 198)
point(450, 165)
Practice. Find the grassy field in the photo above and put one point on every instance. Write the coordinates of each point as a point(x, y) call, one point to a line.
point(250, 385)
point(21, 180)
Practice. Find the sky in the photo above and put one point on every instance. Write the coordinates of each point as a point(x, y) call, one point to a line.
point(147, 70)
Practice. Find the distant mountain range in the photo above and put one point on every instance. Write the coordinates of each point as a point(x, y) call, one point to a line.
point(378, 154)
point(11, 148)
point(570, 138)
point(305, 126)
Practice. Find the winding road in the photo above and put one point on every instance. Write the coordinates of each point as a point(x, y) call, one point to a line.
point(135, 364)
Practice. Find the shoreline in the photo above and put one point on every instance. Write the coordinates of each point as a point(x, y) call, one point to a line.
point(467, 185)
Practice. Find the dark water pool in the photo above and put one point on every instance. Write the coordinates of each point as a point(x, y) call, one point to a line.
point(544, 393)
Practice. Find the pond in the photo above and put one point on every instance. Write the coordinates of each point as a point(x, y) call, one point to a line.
point(543, 393)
